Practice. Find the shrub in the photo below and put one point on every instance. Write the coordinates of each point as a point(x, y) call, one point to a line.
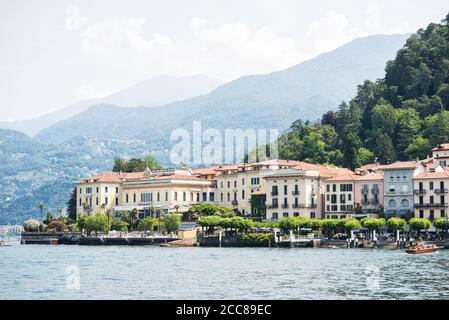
point(172, 222)
point(57, 225)
point(119, 225)
point(256, 239)
point(146, 224)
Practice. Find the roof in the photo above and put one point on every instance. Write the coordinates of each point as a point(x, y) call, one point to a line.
point(441, 147)
point(347, 176)
point(433, 175)
point(369, 167)
point(371, 176)
point(401, 165)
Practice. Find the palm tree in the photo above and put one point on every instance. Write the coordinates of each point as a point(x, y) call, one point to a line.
point(109, 215)
point(60, 212)
point(159, 214)
point(133, 217)
point(42, 206)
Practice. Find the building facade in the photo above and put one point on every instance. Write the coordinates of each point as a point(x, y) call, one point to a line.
point(369, 195)
point(339, 196)
point(293, 193)
point(431, 193)
point(398, 187)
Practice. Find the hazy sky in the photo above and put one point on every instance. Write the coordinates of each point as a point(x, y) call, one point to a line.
point(53, 53)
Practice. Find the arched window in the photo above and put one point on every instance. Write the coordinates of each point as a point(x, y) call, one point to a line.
point(392, 203)
point(405, 203)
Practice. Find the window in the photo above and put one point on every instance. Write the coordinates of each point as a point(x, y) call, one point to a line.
point(97, 189)
point(392, 204)
point(334, 188)
point(285, 214)
point(235, 183)
point(221, 184)
point(243, 181)
point(235, 196)
point(116, 201)
point(127, 198)
point(221, 197)
point(81, 190)
point(328, 197)
point(89, 190)
point(431, 185)
point(211, 196)
point(275, 215)
point(134, 198)
point(96, 201)
point(431, 200)
point(166, 196)
point(116, 190)
point(342, 198)
point(328, 188)
point(405, 203)
point(80, 201)
point(333, 198)
point(204, 196)
point(243, 194)
point(176, 196)
point(296, 214)
point(421, 214)
point(432, 215)
point(158, 197)
point(106, 189)
point(312, 215)
point(184, 196)
point(229, 184)
point(228, 197)
point(328, 208)
point(349, 197)
point(106, 200)
point(285, 190)
point(442, 215)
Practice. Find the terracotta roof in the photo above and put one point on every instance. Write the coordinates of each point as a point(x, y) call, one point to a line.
point(348, 176)
point(433, 175)
point(371, 176)
point(441, 147)
point(369, 167)
point(401, 165)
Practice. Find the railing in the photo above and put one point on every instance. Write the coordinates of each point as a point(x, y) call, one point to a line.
point(375, 190)
point(235, 203)
point(365, 191)
point(273, 206)
point(439, 191)
point(275, 193)
point(420, 191)
point(430, 205)
point(285, 206)
point(295, 192)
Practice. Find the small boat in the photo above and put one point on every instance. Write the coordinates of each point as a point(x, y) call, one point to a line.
point(422, 248)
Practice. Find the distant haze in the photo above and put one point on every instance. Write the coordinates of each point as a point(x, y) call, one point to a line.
point(56, 53)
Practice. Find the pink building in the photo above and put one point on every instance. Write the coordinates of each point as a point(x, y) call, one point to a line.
point(368, 195)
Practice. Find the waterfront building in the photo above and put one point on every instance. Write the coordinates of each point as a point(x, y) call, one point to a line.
point(431, 193)
point(369, 194)
point(398, 187)
point(171, 190)
point(440, 154)
point(293, 193)
point(339, 196)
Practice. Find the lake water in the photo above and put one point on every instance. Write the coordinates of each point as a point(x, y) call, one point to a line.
point(77, 272)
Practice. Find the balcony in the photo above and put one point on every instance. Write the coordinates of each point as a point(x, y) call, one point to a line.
point(365, 191)
point(285, 206)
point(375, 190)
point(441, 191)
point(235, 203)
point(430, 205)
point(275, 193)
point(295, 192)
point(273, 206)
point(419, 191)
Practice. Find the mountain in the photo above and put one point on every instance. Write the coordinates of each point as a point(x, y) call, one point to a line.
point(155, 91)
point(272, 100)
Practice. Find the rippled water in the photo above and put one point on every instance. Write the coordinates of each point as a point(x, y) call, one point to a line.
point(50, 272)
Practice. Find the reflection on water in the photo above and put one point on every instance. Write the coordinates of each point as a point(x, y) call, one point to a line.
point(77, 272)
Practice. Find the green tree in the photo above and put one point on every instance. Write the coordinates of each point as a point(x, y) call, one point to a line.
point(419, 148)
point(146, 224)
point(418, 224)
point(151, 163)
point(408, 128)
point(119, 225)
point(119, 165)
point(48, 217)
point(71, 206)
point(172, 222)
point(396, 224)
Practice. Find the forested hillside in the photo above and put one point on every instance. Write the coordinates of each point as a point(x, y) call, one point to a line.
point(399, 117)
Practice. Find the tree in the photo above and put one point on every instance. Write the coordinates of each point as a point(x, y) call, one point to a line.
point(373, 224)
point(396, 224)
point(172, 222)
point(364, 156)
point(419, 224)
point(151, 162)
point(419, 148)
point(109, 213)
point(210, 222)
point(408, 128)
point(119, 165)
point(97, 223)
point(71, 205)
point(146, 224)
point(119, 225)
point(351, 224)
point(32, 225)
point(384, 148)
point(133, 218)
point(48, 217)
point(41, 207)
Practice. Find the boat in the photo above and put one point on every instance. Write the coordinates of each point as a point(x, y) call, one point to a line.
point(422, 248)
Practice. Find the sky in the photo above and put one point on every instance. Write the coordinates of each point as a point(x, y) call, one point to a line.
point(54, 53)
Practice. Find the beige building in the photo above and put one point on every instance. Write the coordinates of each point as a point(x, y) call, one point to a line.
point(339, 196)
point(170, 190)
point(431, 195)
point(292, 193)
point(440, 154)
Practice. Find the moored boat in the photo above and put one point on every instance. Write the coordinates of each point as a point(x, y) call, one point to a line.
point(421, 248)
